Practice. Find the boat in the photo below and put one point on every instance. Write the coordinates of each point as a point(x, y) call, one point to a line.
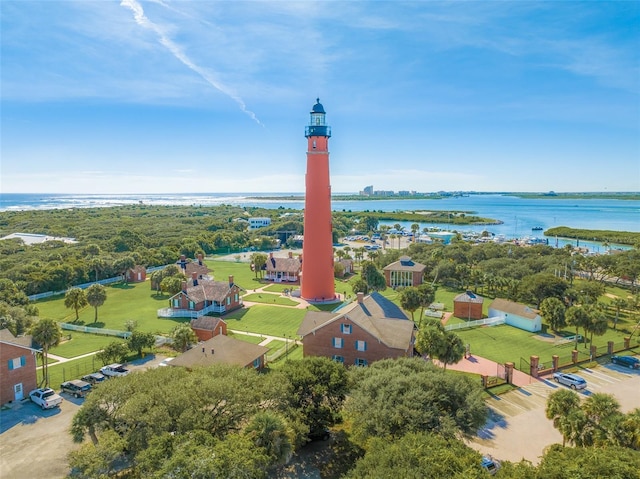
point(537, 228)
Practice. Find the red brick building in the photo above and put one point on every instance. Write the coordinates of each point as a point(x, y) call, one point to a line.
point(206, 327)
point(367, 330)
point(137, 274)
point(404, 273)
point(283, 270)
point(17, 367)
point(468, 305)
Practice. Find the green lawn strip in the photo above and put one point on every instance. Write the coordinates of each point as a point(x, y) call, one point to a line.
point(275, 344)
point(241, 272)
point(246, 338)
point(508, 344)
point(269, 299)
point(293, 355)
point(271, 320)
point(81, 343)
point(74, 369)
point(279, 288)
point(39, 361)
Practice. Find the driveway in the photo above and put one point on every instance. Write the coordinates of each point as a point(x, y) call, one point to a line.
point(35, 443)
point(518, 428)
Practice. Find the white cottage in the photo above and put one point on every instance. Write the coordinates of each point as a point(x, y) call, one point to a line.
point(516, 314)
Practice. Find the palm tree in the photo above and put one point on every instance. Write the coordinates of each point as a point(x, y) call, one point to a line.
point(601, 410)
point(577, 317)
point(96, 296)
point(415, 227)
point(47, 334)
point(76, 299)
point(598, 323)
point(183, 336)
point(618, 303)
point(560, 405)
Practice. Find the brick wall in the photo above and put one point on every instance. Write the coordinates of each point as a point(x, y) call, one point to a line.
point(321, 344)
point(25, 374)
point(465, 310)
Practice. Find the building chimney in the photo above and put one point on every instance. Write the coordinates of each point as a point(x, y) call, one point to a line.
point(194, 278)
point(230, 280)
point(184, 286)
point(290, 254)
point(360, 297)
point(200, 259)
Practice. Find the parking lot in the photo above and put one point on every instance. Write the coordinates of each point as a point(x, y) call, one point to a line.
point(35, 443)
point(518, 429)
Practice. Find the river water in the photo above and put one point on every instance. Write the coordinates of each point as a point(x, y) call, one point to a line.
point(518, 215)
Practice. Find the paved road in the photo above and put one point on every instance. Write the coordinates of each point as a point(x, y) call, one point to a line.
point(518, 429)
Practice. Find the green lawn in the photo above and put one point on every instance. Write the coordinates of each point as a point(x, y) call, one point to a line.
point(505, 343)
point(269, 299)
point(247, 338)
point(279, 288)
point(74, 369)
point(271, 320)
point(124, 302)
point(81, 343)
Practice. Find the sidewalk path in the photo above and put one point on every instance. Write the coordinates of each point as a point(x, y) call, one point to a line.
point(479, 365)
point(60, 359)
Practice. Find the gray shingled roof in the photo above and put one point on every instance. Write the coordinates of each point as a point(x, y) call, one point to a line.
point(405, 264)
point(518, 309)
point(208, 290)
point(226, 351)
point(7, 336)
point(468, 298)
point(208, 323)
point(376, 314)
point(288, 265)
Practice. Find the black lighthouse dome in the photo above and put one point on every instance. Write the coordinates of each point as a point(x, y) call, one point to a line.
point(318, 108)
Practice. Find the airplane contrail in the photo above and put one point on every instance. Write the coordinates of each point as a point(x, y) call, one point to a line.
point(142, 20)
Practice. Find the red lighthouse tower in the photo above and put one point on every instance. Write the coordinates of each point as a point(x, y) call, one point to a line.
point(317, 248)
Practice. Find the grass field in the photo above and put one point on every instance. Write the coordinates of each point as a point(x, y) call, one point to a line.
point(82, 343)
point(269, 299)
point(508, 344)
point(271, 320)
point(124, 302)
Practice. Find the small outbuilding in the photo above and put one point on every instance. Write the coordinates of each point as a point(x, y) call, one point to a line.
point(404, 272)
point(468, 305)
point(517, 315)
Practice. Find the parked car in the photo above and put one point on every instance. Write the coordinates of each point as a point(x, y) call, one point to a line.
point(490, 464)
point(94, 378)
point(629, 361)
point(76, 388)
point(46, 398)
point(572, 380)
point(322, 434)
point(113, 370)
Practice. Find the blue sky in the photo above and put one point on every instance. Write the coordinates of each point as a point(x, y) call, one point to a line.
point(169, 96)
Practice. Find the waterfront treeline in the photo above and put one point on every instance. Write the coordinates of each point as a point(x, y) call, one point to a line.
point(602, 236)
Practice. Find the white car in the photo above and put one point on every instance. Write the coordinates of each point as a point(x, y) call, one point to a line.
point(572, 380)
point(46, 398)
point(113, 370)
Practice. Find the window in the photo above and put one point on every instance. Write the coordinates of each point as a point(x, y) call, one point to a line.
point(345, 328)
point(361, 362)
point(235, 297)
point(17, 363)
point(228, 300)
point(338, 359)
point(361, 345)
point(176, 303)
point(338, 342)
point(192, 305)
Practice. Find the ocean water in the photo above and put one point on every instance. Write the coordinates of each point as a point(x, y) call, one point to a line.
point(518, 215)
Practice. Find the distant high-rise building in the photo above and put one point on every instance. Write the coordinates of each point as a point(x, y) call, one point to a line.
point(317, 247)
point(368, 191)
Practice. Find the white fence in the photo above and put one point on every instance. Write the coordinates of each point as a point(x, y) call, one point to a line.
point(48, 294)
point(473, 324)
point(105, 332)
